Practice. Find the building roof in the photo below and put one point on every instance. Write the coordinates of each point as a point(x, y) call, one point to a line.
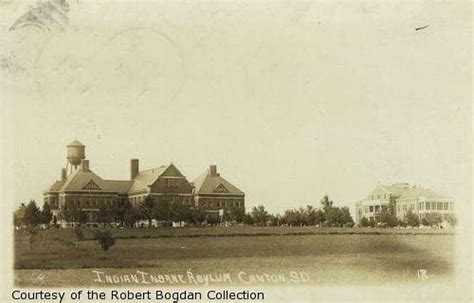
point(214, 184)
point(406, 192)
point(421, 192)
point(75, 143)
point(146, 178)
point(55, 187)
point(395, 189)
point(79, 179)
point(118, 186)
point(87, 180)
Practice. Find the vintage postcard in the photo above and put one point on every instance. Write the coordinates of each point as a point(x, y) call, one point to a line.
point(236, 151)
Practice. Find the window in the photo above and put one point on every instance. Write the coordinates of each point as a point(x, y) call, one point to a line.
point(371, 208)
point(451, 206)
point(446, 206)
point(428, 206)
point(221, 189)
point(91, 185)
point(439, 206)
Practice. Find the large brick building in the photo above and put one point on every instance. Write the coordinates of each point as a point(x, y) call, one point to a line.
point(85, 190)
point(213, 192)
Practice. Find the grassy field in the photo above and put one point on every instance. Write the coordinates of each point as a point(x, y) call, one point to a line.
point(325, 255)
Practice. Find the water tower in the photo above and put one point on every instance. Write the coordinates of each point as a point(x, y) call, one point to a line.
point(75, 153)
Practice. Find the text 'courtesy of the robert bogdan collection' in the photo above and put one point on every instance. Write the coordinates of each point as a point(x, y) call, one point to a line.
point(157, 295)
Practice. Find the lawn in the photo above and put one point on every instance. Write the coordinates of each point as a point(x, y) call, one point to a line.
point(355, 256)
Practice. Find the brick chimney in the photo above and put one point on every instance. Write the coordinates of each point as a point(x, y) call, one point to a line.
point(63, 174)
point(134, 168)
point(84, 165)
point(213, 171)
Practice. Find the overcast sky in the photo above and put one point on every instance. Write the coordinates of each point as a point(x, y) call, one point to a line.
point(291, 102)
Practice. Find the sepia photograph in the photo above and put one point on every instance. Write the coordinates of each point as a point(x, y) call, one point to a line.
point(236, 151)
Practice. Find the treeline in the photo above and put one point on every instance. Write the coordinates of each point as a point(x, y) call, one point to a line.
point(327, 215)
point(32, 215)
point(148, 211)
point(387, 218)
point(125, 214)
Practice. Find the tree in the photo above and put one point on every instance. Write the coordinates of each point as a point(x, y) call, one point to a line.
point(162, 211)
point(197, 215)
point(104, 216)
point(412, 219)
point(130, 214)
point(46, 214)
point(293, 217)
point(259, 215)
point(74, 215)
point(236, 214)
point(212, 219)
point(331, 214)
point(371, 222)
point(275, 220)
point(345, 217)
point(451, 219)
point(434, 218)
point(364, 222)
point(19, 216)
point(425, 222)
point(117, 211)
point(180, 212)
point(313, 216)
point(78, 233)
point(105, 239)
point(392, 204)
point(81, 216)
point(327, 204)
point(32, 214)
point(318, 217)
point(147, 209)
point(248, 219)
point(387, 218)
point(334, 217)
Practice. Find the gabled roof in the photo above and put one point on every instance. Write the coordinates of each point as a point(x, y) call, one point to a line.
point(118, 186)
point(146, 178)
point(79, 179)
point(209, 184)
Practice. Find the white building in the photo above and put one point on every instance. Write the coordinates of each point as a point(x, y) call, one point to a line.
point(403, 197)
point(422, 201)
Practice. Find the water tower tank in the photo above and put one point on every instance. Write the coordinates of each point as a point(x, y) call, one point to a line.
point(75, 152)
